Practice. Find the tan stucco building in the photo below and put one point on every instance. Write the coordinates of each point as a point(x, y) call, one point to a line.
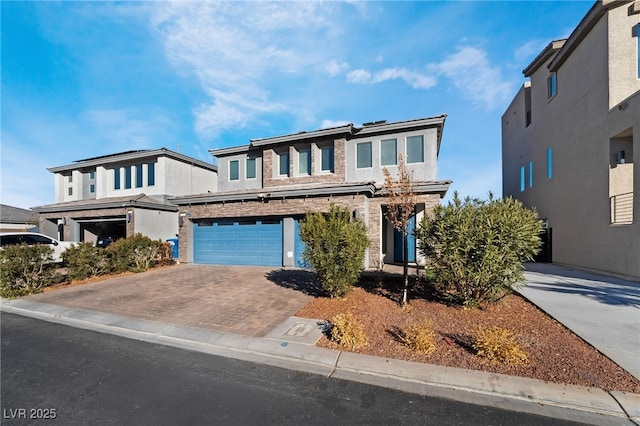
point(571, 139)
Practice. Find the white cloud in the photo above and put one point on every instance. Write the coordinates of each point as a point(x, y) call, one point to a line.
point(333, 123)
point(334, 68)
point(127, 129)
point(413, 79)
point(236, 50)
point(359, 76)
point(528, 51)
point(471, 72)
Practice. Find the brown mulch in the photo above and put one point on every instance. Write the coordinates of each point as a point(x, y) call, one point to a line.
point(554, 353)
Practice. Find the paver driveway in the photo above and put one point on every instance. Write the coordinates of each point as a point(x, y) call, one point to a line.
point(238, 299)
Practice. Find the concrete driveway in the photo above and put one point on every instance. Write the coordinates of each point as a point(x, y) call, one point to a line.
point(237, 299)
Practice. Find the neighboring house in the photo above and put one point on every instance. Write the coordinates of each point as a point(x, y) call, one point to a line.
point(267, 186)
point(123, 194)
point(571, 139)
point(15, 219)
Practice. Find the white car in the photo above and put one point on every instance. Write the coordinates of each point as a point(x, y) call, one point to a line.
point(33, 238)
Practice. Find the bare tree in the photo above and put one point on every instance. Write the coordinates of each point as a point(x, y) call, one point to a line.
point(401, 204)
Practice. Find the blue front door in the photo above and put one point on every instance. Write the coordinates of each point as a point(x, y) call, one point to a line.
point(298, 248)
point(411, 242)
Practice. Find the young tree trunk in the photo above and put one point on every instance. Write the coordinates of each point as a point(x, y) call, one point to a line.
point(405, 266)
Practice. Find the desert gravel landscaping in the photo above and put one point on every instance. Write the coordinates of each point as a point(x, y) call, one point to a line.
point(554, 353)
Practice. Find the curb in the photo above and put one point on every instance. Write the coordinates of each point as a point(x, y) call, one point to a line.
point(568, 402)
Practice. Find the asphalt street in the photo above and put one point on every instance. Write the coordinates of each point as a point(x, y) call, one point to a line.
point(55, 374)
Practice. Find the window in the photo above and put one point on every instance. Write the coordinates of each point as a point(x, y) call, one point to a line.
point(71, 177)
point(552, 85)
point(388, 152)
point(138, 175)
point(522, 179)
point(415, 149)
point(251, 168)
point(283, 160)
point(530, 174)
point(151, 174)
point(234, 170)
point(304, 161)
point(92, 188)
point(92, 175)
point(327, 159)
point(549, 163)
point(116, 178)
point(363, 154)
point(70, 191)
point(127, 177)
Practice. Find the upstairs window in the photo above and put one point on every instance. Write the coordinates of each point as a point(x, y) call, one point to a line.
point(71, 177)
point(304, 161)
point(127, 177)
point(151, 174)
point(283, 164)
point(552, 85)
point(363, 154)
point(250, 168)
point(388, 152)
point(116, 178)
point(327, 159)
point(138, 175)
point(92, 175)
point(415, 149)
point(234, 170)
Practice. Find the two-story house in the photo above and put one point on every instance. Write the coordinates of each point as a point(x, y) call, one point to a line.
point(267, 186)
point(123, 194)
point(571, 139)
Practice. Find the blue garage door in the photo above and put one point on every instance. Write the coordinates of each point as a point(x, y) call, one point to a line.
point(298, 248)
point(243, 242)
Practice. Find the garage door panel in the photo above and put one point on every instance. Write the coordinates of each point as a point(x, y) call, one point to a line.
point(238, 243)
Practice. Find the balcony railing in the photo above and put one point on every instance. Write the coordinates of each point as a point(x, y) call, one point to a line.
point(622, 208)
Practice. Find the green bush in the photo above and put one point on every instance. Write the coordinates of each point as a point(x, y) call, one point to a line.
point(476, 248)
point(25, 269)
point(84, 260)
point(335, 247)
point(137, 253)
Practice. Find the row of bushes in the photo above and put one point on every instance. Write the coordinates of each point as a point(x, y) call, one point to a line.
point(27, 269)
point(495, 344)
point(474, 248)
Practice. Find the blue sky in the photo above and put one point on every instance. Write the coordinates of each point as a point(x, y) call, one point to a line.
point(81, 79)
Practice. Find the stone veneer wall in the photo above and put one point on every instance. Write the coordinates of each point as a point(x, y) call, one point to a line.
point(338, 175)
point(369, 209)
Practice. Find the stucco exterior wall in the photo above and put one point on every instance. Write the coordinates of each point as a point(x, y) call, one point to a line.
point(578, 124)
point(155, 224)
point(424, 171)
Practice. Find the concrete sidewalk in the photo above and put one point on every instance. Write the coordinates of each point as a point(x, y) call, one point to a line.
point(604, 311)
point(291, 346)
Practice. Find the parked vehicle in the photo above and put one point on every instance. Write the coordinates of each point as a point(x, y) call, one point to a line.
point(104, 241)
point(33, 238)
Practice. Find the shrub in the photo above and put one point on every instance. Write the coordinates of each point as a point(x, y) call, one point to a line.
point(419, 338)
point(497, 345)
point(25, 269)
point(137, 253)
point(83, 260)
point(476, 248)
point(347, 331)
point(335, 247)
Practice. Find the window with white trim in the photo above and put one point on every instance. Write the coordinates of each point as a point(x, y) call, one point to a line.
point(363, 155)
point(388, 152)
